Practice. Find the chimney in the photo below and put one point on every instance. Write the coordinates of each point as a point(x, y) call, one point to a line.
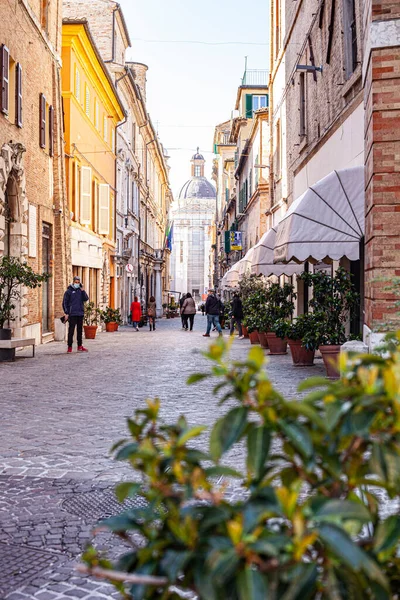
point(140, 71)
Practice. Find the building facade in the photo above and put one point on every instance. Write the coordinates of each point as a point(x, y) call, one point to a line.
point(142, 194)
point(193, 218)
point(33, 206)
point(92, 111)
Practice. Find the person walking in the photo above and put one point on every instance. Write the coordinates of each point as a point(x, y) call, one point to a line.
point(203, 309)
point(136, 313)
point(151, 312)
point(181, 301)
point(189, 310)
point(73, 307)
point(237, 315)
point(212, 312)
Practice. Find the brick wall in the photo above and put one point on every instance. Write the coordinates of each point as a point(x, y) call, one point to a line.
point(382, 159)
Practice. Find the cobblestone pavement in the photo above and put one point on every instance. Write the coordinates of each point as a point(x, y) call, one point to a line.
point(60, 415)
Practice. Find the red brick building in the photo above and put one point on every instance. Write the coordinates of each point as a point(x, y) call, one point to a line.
point(33, 215)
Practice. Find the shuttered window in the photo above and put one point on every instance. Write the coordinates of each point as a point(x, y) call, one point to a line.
point(249, 106)
point(42, 121)
point(86, 196)
point(5, 78)
point(87, 100)
point(77, 84)
point(18, 95)
point(104, 209)
point(105, 128)
point(96, 114)
point(51, 131)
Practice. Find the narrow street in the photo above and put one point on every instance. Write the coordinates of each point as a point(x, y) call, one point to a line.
point(61, 414)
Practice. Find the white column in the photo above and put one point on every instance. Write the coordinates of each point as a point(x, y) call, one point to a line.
point(157, 270)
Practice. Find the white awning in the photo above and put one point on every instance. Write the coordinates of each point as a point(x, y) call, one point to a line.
point(231, 278)
point(263, 258)
point(327, 221)
point(244, 264)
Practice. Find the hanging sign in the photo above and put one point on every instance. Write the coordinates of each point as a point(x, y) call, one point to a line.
point(236, 240)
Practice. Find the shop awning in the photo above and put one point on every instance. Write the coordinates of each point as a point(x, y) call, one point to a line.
point(327, 221)
point(231, 278)
point(244, 264)
point(263, 258)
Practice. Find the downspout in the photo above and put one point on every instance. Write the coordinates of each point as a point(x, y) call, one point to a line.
point(116, 9)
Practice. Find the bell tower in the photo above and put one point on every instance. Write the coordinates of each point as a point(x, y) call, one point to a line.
point(198, 164)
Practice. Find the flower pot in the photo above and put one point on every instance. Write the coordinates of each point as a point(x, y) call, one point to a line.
point(245, 331)
point(254, 339)
point(90, 331)
point(276, 345)
point(112, 326)
point(6, 353)
point(330, 354)
point(263, 339)
point(301, 357)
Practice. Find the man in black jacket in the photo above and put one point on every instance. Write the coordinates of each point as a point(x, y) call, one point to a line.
point(73, 307)
point(213, 307)
point(237, 315)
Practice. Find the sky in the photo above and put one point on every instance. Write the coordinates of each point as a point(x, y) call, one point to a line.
point(192, 87)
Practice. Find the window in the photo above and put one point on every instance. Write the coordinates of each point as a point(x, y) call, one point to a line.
point(18, 95)
point(250, 183)
point(135, 198)
point(77, 84)
point(96, 114)
point(44, 14)
point(302, 105)
point(105, 128)
point(278, 149)
point(197, 171)
point(51, 131)
point(350, 37)
point(277, 26)
point(254, 102)
point(259, 102)
point(133, 141)
point(104, 209)
point(42, 121)
point(87, 100)
point(95, 194)
point(5, 77)
point(86, 195)
point(113, 139)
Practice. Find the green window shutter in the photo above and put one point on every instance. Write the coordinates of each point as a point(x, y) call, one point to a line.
point(227, 241)
point(249, 106)
point(267, 102)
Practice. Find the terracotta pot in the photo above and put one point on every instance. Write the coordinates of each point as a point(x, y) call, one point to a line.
point(276, 345)
point(90, 331)
point(111, 326)
point(254, 339)
point(245, 331)
point(263, 339)
point(330, 354)
point(301, 357)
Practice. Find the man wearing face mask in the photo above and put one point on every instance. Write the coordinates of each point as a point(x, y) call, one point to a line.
point(73, 307)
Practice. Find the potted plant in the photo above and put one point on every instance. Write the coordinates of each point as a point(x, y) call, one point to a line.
point(14, 274)
point(112, 318)
point(303, 336)
point(253, 293)
point(91, 319)
point(333, 299)
point(279, 309)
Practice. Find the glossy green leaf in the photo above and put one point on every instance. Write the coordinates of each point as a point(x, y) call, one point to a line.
point(252, 585)
point(190, 433)
point(127, 489)
point(387, 535)
point(227, 431)
point(303, 584)
point(195, 377)
point(258, 444)
point(220, 471)
point(256, 355)
point(299, 437)
point(173, 563)
point(342, 510)
point(127, 451)
point(223, 565)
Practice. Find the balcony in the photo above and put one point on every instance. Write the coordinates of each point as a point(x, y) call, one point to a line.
point(255, 77)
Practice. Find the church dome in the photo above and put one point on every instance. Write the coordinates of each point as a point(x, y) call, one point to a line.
point(197, 187)
point(198, 156)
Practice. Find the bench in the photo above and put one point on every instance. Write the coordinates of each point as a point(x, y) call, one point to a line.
point(18, 343)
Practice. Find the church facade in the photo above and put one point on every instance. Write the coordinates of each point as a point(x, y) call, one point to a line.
point(193, 216)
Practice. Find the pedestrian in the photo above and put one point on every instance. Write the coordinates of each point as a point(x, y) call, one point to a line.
point(73, 307)
point(237, 315)
point(203, 309)
point(189, 310)
point(212, 312)
point(136, 313)
point(151, 312)
point(221, 312)
point(181, 301)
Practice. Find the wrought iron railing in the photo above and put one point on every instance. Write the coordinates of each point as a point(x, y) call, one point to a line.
point(256, 77)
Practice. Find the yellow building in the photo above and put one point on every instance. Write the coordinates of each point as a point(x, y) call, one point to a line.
point(92, 111)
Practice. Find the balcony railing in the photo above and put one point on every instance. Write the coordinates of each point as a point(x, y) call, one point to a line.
point(256, 77)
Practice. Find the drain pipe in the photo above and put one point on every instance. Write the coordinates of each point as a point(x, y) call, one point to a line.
point(116, 9)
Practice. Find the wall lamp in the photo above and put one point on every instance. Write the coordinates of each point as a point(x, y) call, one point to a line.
point(310, 68)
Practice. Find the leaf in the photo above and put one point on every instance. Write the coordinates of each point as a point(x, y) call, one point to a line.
point(227, 431)
point(138, 591)
point(127, 451)
point(256, 355)
point(221, 471)
point(190, 433)
point(312, 382)
point(258, 445)
point(127, 489)
point(195, 377)
point(120, 523)
point(387, 535)
point(251, 585)
point(299, 437)
point(134, 428)
point(173, 563)
point(223, 565)
point(342, 510)
point(304, 409)
point(303, 585)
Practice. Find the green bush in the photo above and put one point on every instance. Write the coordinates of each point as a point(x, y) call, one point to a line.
point(308, 328)
point(308, 525)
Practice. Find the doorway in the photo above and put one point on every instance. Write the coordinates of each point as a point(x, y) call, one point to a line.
point(46, 286)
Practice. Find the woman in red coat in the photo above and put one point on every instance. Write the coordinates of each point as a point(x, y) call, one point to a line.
point(136, 313)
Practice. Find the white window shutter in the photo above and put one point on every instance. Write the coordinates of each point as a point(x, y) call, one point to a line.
point(104, 209)
point(86, 195)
